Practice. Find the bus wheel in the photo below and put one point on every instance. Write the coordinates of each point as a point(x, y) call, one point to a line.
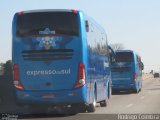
point(140, 89)
point(137, 91)
point(103, 103)
point(92, 107)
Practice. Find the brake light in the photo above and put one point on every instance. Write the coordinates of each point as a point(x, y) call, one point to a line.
point(134, 76)
point(17, 82)
point(16, 72)
point(20, 13)
point(81, 76)
point(74, 11)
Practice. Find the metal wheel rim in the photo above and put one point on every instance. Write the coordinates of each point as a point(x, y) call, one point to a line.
point(94, 102)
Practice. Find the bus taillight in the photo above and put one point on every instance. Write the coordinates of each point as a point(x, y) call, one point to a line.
point(81, 76)
point(134, 77)
point(20, 13)
point(74, 11)
point(17, 82)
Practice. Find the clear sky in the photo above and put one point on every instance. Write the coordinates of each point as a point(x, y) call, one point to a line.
point(134, 23)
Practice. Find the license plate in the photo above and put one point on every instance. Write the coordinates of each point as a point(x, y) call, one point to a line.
point(48, 96)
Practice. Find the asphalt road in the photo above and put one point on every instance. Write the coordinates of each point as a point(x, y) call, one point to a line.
point(145, 102)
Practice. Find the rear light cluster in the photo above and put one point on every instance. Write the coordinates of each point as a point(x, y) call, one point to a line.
point(74, 11)
point(20, 13)
point(81, 76)
point(17, 82)
point(134, 77)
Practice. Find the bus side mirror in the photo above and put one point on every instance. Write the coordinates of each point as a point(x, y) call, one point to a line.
point(87, 26)
point(142, 66)
point(112, 54)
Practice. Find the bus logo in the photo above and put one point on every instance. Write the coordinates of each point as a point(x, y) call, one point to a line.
point(46, 32)
point(47, 42)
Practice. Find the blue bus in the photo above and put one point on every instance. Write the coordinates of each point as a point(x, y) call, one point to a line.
point(60, 58)
point(127, 71)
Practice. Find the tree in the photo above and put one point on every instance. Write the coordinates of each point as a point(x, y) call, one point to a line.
point(8, 68)
point(1, 69)
point(117, 46)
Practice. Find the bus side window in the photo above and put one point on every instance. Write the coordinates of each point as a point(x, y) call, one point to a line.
point(142, 66)
point(139, 62)
point(137, 58)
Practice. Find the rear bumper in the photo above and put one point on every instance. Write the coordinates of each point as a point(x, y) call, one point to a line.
point(63, 97)
point(121, 87)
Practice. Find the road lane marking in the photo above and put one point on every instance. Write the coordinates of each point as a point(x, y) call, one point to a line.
point(129, 105)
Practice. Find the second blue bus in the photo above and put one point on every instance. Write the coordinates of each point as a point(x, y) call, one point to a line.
point(127, 71)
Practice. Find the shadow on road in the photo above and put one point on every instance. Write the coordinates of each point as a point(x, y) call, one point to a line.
point(8, 104)
point(122, 92)
point(36, 116)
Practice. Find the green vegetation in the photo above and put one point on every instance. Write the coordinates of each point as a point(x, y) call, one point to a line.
point(7, 69)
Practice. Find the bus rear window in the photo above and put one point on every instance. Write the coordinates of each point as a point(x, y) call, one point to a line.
point(33, 24)
point(124, 57)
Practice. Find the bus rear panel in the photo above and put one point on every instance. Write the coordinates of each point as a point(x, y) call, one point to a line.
point(126, 74)
point(47, 55)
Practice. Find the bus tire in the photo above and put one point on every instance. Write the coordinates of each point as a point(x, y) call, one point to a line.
point(140, 89)
point(137, 91)
point(109, 91)
point(103, 103)
point(92, 107)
